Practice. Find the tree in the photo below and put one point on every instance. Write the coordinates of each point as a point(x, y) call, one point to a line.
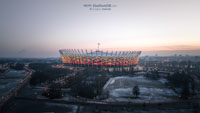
point(136, 91)
point(54, 91)
point(185, 93)
point(18, 66)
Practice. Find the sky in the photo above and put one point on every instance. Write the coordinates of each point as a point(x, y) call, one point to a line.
point(39, 28)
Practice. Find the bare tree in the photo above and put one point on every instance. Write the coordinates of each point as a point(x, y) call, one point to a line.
point(136, 91)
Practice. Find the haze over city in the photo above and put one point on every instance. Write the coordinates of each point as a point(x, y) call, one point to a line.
point(39, 28)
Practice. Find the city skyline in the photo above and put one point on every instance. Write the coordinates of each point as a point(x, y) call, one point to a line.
point(40, 28)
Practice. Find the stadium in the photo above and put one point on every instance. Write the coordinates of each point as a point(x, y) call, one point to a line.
point(99, 58)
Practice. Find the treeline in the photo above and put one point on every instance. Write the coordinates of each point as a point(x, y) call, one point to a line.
point(45, 73)
point(118, 71)
point(183, 81)
point(30, 60)
point(2, 71)
point(17, 66)
point(53, 91)
point(88, 83)
point(40, 66)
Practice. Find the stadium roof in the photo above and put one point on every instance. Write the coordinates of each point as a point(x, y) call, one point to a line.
point(77, 52)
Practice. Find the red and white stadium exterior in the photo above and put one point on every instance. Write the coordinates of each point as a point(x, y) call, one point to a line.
point(99, 58)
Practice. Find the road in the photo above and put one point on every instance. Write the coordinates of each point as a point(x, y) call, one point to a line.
point(15, 91)
point(165, 105)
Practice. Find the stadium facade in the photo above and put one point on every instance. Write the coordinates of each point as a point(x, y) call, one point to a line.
point(99, 58)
